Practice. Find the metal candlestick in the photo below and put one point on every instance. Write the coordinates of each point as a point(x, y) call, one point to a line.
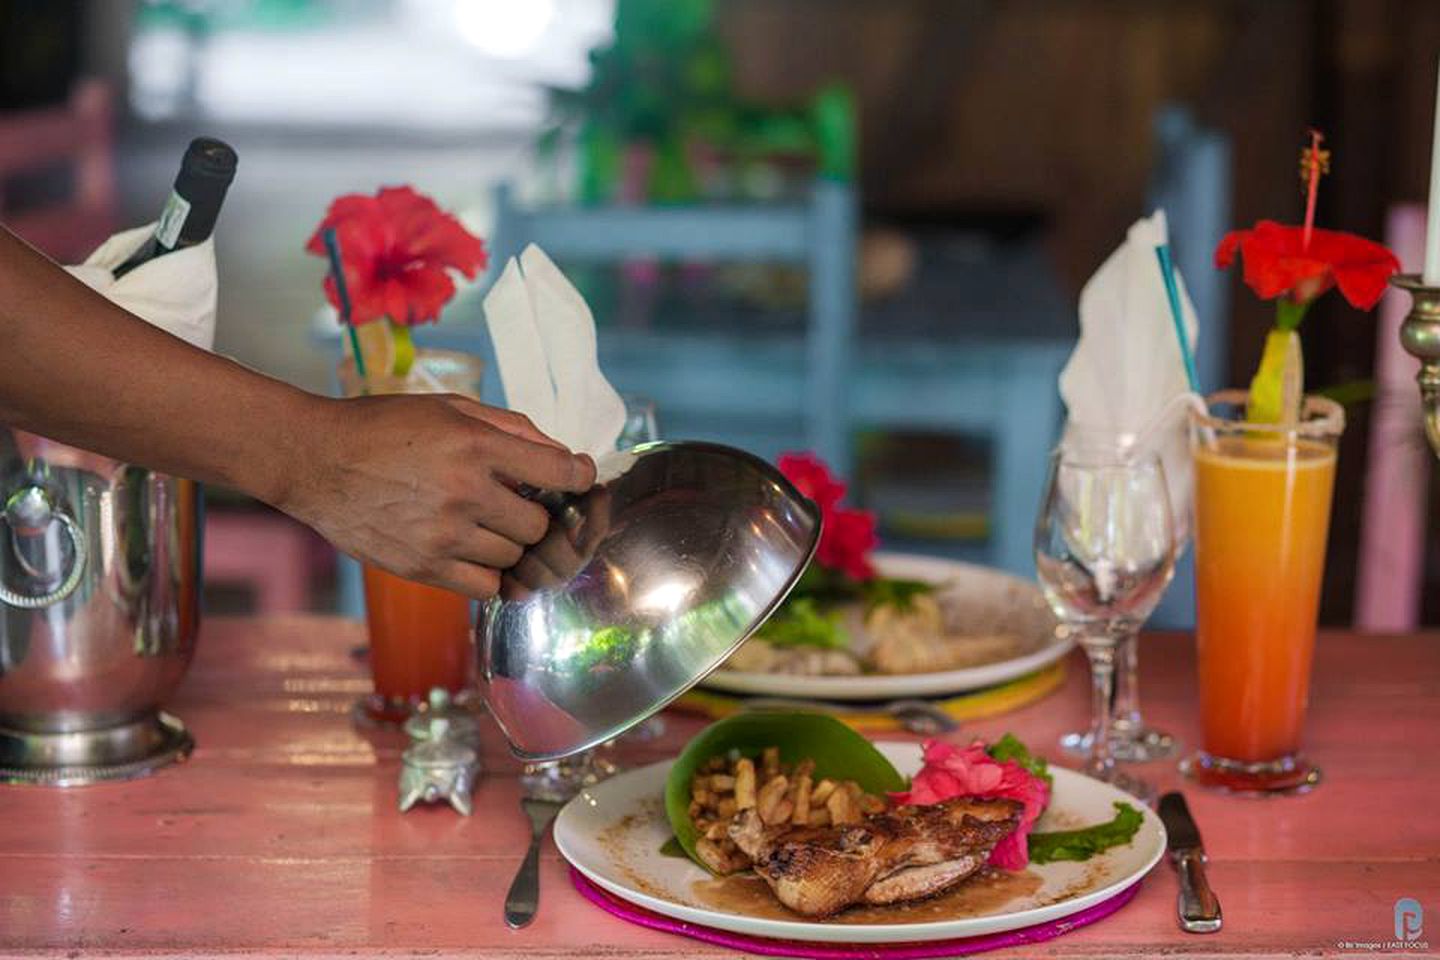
point(1420, 334)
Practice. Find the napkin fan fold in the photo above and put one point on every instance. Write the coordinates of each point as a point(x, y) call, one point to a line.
point(1125, 384)
point(547, 352)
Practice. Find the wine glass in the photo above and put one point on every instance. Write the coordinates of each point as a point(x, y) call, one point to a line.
point(1104, 552)
point(641, 424)
point(1132, 740)
point(569, 776)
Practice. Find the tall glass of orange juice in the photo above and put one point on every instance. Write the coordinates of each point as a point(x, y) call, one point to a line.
point(1262, 513)
point(420, 635)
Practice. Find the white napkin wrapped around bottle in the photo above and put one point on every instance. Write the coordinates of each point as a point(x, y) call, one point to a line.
point(546, 349)
point(1125, 383)
point(176, 292)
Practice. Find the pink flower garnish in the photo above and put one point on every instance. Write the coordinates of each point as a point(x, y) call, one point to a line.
point(952, 771)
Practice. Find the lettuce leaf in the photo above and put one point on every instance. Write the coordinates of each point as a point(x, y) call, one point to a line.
point(801, 623)
point(893, 592)
point(1009, 747)
point(1084, 843)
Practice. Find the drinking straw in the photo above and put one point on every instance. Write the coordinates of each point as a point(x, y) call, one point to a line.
point(1172, 291)
point(337, 270)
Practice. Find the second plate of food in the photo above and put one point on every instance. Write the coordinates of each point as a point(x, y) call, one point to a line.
point(976, 627)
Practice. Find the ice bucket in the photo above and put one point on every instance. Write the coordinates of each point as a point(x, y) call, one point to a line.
point(99, 606)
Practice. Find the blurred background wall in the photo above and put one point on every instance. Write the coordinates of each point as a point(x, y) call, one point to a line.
point(999, 150)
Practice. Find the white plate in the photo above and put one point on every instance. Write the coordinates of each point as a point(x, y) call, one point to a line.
point(613, 832)
point(998, 599)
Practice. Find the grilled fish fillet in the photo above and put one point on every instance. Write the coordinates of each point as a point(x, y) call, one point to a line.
point(903, 854)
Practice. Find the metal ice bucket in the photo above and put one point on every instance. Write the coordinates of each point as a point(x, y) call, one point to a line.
point(99, 606)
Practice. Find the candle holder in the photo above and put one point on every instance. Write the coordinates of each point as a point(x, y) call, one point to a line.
point(1420, 335)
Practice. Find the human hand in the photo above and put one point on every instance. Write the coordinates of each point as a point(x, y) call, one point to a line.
point(564, 549)
point(425, 486)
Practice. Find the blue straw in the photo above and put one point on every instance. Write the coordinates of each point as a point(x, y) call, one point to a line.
point(337, 270)
point(1172, 290)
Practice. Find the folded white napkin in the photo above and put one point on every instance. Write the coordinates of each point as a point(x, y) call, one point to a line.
point(1125, 382)
point(176, 292)
point(545, 346)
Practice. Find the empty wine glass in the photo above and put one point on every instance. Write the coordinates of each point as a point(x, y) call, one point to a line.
point(641, 424)
point(1132, 740)
point(1104, 552)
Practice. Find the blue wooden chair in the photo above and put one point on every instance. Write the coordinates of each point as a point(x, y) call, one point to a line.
point(1192, 182)
point(979, 356)
point(695, 374)
point(988, 370)
point(713, 378)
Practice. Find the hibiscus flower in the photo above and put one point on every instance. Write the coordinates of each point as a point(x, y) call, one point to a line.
point(398, 249)
point(952, 771)
point(846, 536)
point(1294, 266)
point(1277, 263)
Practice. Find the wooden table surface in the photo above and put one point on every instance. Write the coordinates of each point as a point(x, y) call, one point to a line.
point(281, 836)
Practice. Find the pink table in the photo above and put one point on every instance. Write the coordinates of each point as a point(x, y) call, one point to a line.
point(280, 836)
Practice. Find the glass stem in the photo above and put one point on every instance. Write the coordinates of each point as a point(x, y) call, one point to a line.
point(1125, 715)
point(1101, 649)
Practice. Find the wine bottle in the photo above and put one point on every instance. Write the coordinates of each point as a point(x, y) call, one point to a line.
point(194, 203)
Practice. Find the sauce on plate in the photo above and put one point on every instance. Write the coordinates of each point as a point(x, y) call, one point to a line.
point(982, 894)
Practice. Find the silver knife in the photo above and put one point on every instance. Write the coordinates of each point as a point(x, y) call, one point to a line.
point(1198, 906)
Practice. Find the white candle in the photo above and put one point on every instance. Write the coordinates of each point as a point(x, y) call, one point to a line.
point(1432, 219)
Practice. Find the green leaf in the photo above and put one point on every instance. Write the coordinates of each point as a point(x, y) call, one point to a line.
point(838, 751)
point(1351, 393)
point(801, 623)
point(672, 848)
point(1084, 843)
point(893, 592)
point(827, 587)
point(1009, 747)
point(834, 119)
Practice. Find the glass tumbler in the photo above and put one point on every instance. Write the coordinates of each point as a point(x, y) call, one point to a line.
point(1262, 515)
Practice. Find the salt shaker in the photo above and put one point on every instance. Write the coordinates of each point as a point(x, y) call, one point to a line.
point(464, 726)
point(441, 762)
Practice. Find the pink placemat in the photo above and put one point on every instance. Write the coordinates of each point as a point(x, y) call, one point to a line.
point(765, 946)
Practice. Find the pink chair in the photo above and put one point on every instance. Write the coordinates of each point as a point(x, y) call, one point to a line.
point(277, 559)
point(1397, 473)
point(77, 134)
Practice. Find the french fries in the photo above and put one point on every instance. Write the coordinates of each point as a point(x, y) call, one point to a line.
point(726, 786)
point(745, 783)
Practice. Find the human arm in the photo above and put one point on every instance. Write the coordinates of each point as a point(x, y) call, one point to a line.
point(420, 485)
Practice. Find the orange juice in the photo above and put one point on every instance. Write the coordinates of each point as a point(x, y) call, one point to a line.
point(419, 635)
point(419, 639)
point(1262, 512)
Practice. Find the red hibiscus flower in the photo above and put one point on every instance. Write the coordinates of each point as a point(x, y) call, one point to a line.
point(846, 540)
point(398, 248)
point(951, 771)
point(846, 536)
point(1277, 262)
